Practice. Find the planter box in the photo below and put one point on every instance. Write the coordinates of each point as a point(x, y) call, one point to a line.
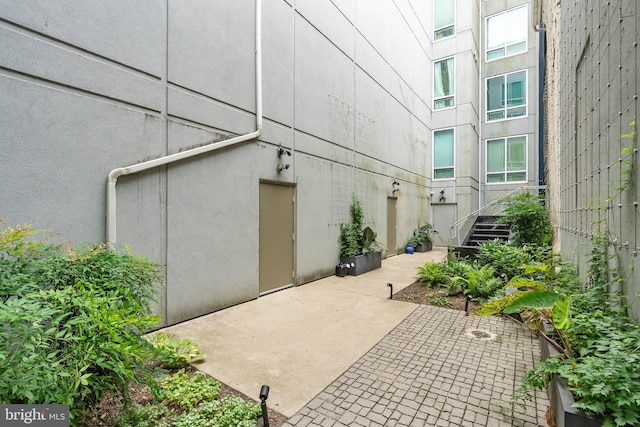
point(423, 247)
point(561, 398)
point(564, 413)
point(363, 263)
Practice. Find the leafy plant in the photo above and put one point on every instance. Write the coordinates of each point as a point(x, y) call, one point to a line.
point(442, 302)
point(231, 412)
point(354, 239)
point(422, 234)
point(480, 282)
point(516, 287)
point(188, 391)
point(627, 160)
point(432, 273)
point(135, 415)
point(603, 374)
point(528, 218)
point(72, 320)
point(175, 353)
point(507, 260)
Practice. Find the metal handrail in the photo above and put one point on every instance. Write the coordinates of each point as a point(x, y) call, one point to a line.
point(453, 228)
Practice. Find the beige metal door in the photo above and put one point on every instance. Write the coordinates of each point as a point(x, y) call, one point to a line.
point(276, 236)
point(391, 226)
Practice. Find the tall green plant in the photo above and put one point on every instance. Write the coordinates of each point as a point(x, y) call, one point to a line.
point(72, 320)
point(528, 218)
point(354, 239)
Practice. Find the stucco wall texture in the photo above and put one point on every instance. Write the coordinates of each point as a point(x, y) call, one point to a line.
point(88, 87)
point(592, 99)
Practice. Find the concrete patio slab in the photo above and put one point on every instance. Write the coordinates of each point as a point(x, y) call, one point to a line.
point(301, 339)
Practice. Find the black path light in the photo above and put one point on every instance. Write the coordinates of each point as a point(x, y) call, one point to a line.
point(264, 394)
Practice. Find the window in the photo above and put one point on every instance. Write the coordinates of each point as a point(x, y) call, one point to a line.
point(507, 33)
point(507, 160)
point(507, 96)
point(443, 84)
point(443, 149)
point(444, 16)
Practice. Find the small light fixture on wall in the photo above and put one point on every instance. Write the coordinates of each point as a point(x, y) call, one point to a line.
point(394, 186)
point(282, 152)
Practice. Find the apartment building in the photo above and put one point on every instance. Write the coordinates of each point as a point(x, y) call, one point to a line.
point(226, 139)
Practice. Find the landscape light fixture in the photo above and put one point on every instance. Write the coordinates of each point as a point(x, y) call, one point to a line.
point(264, 394)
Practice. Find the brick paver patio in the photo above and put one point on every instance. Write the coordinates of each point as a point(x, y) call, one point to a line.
point(432, 370)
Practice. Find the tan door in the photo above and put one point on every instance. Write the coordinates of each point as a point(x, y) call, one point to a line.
point(276, 236)
point(391, 226)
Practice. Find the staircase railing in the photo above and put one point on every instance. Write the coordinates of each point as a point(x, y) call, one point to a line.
point(454, 228)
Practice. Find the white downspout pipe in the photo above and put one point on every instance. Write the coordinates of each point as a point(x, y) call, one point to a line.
point(139, 167)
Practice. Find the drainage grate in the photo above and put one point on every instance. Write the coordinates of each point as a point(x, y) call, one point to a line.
point(480, 334)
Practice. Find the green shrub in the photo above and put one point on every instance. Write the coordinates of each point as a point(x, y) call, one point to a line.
point(441, 302)
point(135, 415)
point(72, 320)
point(454, 266)
point(354, 238)
point(507, 260)
point(188, 391)
point(432, 273)
point(172, 353)
point(603, 374)
point(479, 282)
point(528, 218)
point(230, 412)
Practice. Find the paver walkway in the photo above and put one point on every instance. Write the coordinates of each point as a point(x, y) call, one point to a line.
point(433, 370)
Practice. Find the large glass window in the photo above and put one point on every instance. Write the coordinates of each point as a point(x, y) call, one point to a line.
point(507, 33)
point(443, 157)
point(507, 160)
point(507, 96)
point(443, 84)
point(444, 18)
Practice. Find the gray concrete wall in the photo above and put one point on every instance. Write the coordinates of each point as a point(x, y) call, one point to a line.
point(597, 88)
point(89, 87)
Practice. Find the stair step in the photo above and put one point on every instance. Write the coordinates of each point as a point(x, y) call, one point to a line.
point(491, 227)
point(487, 229)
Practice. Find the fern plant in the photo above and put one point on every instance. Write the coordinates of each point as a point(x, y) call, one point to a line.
point(433, 274)
point(480, 282)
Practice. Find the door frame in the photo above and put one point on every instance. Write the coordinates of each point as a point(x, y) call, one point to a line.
point(292, 186)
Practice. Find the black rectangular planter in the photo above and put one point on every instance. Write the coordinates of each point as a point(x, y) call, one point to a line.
point(565, 414)
point(561, 398)
point(363, 263)
point(423, 247)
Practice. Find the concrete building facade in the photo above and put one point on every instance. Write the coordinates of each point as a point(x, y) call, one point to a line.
point(592, 104)
point(290, 108)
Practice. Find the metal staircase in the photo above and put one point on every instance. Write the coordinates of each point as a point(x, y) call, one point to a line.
point(482, 228)
point(487, 228)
